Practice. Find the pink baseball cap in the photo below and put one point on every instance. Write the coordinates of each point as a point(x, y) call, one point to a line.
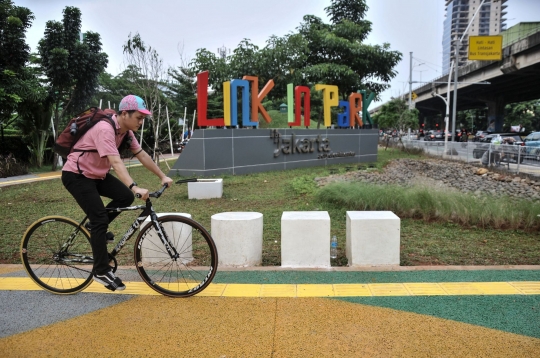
point(133, 103)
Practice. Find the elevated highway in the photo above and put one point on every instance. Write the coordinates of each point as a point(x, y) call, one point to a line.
point(515, 78)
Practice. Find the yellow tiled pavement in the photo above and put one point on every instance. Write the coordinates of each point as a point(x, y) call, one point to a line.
point(317, 290)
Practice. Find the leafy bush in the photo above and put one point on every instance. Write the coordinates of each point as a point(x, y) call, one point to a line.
point(9, 166)
point(303, 185)
point(16, 144)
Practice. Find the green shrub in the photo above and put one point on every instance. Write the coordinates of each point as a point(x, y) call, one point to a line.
point(9, 166)
point(303, 185)
point(16, 144)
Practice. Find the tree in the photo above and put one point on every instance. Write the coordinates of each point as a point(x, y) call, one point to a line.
point(317, 53)
point(34, 122)
point(111, 89)
point(71, 66)
point(337, 56)
point(281, 60)
point(149, 77)
point(16, 82)
point(181, 90)
point(396, 114)
point(218, 66)
point(525, 113)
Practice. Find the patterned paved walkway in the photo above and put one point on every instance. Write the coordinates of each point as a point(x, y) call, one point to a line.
point(265, 313)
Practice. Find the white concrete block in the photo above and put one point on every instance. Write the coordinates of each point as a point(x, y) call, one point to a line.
point(238, 237)
point(305, 239)
point(205, 189)
point(153, 249)
point(373, 238)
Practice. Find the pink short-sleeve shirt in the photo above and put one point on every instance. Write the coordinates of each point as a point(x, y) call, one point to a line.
point(101, 137)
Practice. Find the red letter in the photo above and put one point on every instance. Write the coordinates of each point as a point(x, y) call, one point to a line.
point(298, 90)
point(202, 103)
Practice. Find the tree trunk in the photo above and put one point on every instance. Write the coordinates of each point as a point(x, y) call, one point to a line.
point(56, 122)
point(2, 146)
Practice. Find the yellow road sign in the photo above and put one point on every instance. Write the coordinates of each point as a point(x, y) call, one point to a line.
point(485, 48)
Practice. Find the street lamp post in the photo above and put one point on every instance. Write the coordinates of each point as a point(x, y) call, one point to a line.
point(447, 113)
point(446, 102)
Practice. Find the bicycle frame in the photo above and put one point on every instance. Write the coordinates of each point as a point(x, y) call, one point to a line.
point(147, 210)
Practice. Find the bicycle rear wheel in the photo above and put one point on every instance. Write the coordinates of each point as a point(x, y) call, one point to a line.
point(49, 263)
point(185, 275)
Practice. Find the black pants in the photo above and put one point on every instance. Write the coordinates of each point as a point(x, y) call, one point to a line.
point(88, 192)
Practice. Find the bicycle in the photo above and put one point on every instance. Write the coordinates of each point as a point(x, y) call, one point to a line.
point(173, 254)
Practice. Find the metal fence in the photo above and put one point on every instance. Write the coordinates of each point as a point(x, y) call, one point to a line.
point(513, 158)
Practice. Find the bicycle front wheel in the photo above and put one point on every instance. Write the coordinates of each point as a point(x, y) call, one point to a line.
point(57, 255)
point(184, 274)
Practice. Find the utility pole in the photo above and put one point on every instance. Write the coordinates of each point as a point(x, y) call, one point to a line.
point(410, 82)
point(456, 61)
point(454, 104)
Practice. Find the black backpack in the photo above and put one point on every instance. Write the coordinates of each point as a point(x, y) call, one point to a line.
point(79, 125)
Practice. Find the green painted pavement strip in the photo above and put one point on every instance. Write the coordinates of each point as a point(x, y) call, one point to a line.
point(318, 277)
point(515, 314)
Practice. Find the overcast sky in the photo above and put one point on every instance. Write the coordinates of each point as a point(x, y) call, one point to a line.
point(167, 25)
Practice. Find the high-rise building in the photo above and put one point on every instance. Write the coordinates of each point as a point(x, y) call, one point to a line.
point(489, 21)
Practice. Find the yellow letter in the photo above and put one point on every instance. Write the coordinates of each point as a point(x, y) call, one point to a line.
point(330, 99)
point(227, 102)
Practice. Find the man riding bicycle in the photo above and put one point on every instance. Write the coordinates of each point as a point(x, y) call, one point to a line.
point(86, 176)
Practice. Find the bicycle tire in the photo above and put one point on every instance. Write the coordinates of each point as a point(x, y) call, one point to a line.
point(40, 255)
point(185, 276)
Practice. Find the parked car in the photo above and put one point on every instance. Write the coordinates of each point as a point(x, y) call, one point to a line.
point(512, 152)
point(480, 135)
point(434, 135)
point(532, 145)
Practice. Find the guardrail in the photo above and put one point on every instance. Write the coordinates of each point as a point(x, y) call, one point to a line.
point(513, 158)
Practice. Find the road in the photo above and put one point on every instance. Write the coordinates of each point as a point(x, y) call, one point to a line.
point(464, 152)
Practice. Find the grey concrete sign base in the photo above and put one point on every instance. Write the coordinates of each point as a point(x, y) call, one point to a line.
point(213, 152)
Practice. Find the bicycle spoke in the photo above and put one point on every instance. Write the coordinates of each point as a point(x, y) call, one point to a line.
point(47, 263)
point(193, 264)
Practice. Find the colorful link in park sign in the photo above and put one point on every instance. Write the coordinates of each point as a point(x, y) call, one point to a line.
point(298, 97)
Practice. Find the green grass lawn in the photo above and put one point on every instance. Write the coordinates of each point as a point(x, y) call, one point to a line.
point(432, 242)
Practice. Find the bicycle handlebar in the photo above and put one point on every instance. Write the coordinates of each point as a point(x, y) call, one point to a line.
point(158, 193)
point(155, 194)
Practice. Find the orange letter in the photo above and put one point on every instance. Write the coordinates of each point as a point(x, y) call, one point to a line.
point(354, 108)
point(256, 99)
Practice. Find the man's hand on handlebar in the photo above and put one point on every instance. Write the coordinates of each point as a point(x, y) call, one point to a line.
point(166, 181)
point(144, 194)
point(141, 193)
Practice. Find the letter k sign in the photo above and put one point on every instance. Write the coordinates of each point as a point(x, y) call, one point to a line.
point(256, 99)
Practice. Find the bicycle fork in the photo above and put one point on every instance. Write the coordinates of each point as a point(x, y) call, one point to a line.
point(148, 211)
point(163, 237)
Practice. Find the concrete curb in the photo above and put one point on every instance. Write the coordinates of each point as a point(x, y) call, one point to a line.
point(29, 178)
point(348, 269)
